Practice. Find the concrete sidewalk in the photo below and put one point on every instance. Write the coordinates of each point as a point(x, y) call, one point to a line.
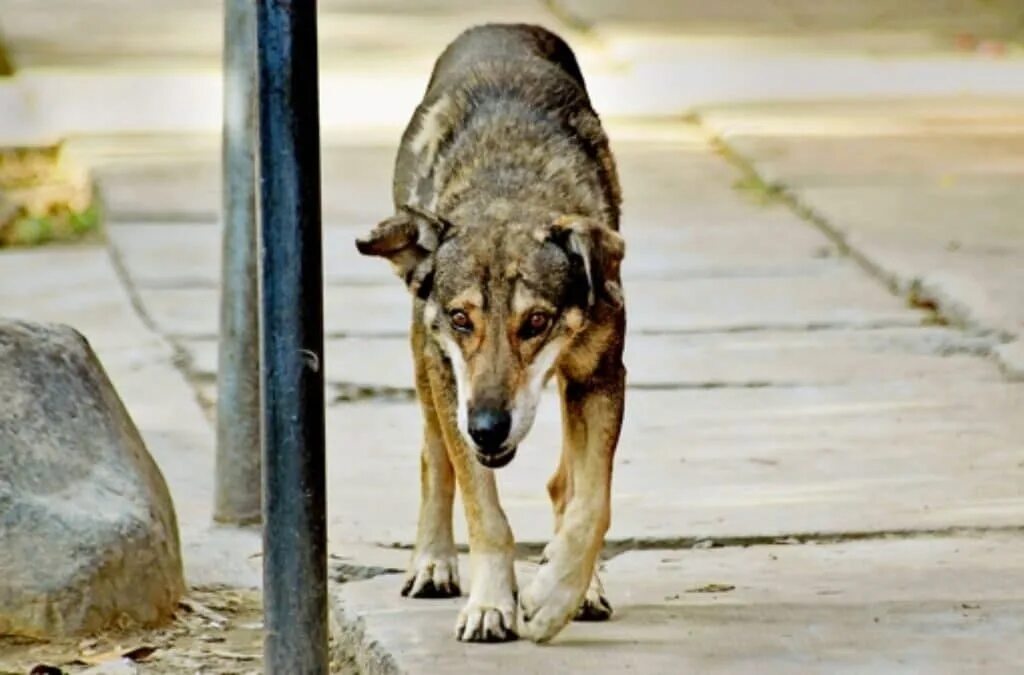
point(925, 193)
point(820, 469)
point(778, 393)
point(644, 58)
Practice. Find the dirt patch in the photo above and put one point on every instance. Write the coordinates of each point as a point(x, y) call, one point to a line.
point(214, 632)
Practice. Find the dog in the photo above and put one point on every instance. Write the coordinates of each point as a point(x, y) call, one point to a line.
point(505, 232)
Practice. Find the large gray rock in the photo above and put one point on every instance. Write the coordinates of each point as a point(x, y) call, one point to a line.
point(88, 536)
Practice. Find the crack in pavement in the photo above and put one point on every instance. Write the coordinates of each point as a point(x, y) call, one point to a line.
point(912, 289)
point(814, 326)
point(918, 291)
point(617, 547)
point(181, 359)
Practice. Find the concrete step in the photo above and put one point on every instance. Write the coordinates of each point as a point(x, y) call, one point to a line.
point(942, 605)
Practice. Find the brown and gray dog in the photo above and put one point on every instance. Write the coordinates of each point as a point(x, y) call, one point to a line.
point(506, 233)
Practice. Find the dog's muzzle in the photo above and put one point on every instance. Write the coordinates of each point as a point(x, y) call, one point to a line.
point(489, 429)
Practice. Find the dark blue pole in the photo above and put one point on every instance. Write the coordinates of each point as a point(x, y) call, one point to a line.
point(294, 505)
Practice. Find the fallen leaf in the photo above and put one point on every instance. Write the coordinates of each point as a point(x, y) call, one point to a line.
point(713, 588)
point(138, 654)
point(203, 611)
point(43, 669)
point(232, 655)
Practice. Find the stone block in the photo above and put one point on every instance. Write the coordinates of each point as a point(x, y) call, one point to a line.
point(88, 535)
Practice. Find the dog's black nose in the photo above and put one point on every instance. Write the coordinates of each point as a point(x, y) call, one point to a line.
point(489, 428)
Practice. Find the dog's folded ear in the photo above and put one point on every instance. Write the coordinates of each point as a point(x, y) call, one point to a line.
point(408, 240)
point(600, 250)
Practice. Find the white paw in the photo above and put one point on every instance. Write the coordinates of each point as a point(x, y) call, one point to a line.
point(433, 576)
point(550, 602)
point(483, 623)
point(595, 605)
point(490, 613)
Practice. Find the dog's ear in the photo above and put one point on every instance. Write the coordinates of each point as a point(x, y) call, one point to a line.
point(408, 240)
point(600, 250)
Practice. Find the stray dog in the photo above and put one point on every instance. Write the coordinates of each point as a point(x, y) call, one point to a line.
point(506, 234)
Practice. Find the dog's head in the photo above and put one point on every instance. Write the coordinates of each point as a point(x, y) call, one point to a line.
point(503, 302)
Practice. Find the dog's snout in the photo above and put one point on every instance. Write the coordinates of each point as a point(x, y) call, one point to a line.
point(489, 428)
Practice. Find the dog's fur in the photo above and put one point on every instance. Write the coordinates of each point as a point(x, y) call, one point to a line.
point(506, 233)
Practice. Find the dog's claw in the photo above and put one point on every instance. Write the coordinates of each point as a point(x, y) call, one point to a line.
point(430, 590)
point(595, 605)
point(523, 612)
point(594, 609)
point(485, 624)
point(433, 578)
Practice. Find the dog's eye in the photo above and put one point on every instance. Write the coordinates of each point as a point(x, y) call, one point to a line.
point(536, 324)
point(460, 321)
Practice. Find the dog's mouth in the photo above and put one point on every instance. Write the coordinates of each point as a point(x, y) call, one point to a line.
point(496, 461)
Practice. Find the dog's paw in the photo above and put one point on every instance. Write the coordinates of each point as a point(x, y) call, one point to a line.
point(549, 603)
point(484, 623)
point(433, 577)
point(595, 605)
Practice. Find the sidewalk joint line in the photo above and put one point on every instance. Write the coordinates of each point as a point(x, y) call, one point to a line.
point(180, 357)
point(616, 547)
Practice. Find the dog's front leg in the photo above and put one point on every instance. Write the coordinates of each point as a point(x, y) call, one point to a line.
point(490, 613)
point(434, 571)
point(592, 418)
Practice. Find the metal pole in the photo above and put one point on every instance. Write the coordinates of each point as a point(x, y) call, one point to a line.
point(238, 482)
point(294, 518)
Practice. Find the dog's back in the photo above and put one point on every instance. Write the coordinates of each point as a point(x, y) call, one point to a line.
point(502, 43)
point(506, 115)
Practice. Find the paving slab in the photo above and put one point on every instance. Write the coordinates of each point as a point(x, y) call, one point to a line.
point(687, 53)
point(143, 176)
point(729, 462)
point(802, 16)
point(168, 255)
point(1011, 359)
point(188, 34)
point(654, 59)
point(929, 196)
point(379, 54)
point(949, 605)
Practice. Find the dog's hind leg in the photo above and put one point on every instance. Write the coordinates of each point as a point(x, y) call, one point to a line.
point(595, 605)
point(591, 418)
point(434, 570)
